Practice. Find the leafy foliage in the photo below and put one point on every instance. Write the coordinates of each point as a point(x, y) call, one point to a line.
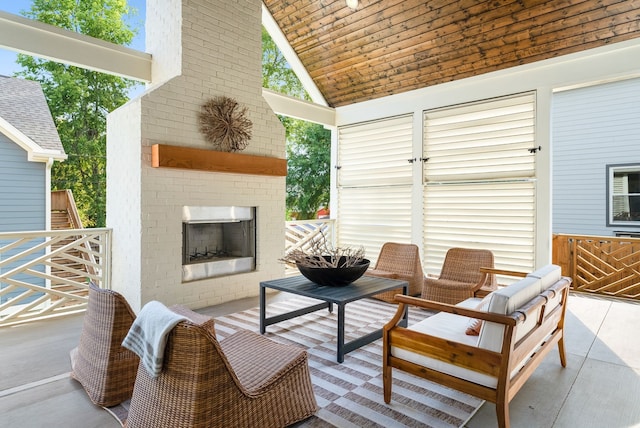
point(308, 144)
point(276, 73)
point(308, 168)
point(80, 99)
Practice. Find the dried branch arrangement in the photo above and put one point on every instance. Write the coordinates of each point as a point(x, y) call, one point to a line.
point(224, 124)
point(322, 255)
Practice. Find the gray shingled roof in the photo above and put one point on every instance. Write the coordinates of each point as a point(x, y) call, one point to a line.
point(23, 105)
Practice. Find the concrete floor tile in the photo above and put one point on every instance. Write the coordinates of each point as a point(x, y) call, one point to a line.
point(58, 404)
point(39, 350)
point(618, 341)
point(583, 320)
point(604, 395)
point(539, 401)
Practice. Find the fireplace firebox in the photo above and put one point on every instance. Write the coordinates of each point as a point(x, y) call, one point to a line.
point(217, 241)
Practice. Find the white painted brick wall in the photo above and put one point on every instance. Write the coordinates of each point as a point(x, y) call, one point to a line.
point(124, 199)
point(163, 38)
point(220, 55)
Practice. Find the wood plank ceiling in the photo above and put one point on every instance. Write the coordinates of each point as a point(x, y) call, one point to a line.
point(387, 47)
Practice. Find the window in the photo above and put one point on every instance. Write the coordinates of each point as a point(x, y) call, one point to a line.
point(623, 202)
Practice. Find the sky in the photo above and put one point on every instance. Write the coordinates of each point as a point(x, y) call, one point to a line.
point(8, 64)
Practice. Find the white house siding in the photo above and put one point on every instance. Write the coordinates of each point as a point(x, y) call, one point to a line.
point(592, 127)
point(22, 192)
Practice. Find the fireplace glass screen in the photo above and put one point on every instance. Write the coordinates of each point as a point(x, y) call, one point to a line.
point(217, 241)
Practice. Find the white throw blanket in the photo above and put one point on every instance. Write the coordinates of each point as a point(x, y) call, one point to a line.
point(148, 334)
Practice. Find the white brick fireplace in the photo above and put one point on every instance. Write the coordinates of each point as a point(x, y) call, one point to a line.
point(201, 49)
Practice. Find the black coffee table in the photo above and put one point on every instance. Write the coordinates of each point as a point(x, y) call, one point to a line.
point(365, 286)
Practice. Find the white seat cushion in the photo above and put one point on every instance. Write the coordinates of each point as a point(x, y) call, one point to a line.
point(470, 303)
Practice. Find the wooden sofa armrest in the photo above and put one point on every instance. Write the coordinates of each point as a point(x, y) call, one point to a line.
point(503, 272)
point(444, 307)
point(484, 279)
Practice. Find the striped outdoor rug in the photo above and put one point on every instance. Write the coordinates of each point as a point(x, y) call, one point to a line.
point(350, 394)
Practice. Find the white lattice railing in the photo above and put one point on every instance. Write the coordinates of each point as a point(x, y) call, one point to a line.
point(47, 273)
point(301, 233)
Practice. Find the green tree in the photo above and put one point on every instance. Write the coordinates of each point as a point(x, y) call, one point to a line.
point(308, 168)
point(308, 144)
point(276, 73)
point(80, 99)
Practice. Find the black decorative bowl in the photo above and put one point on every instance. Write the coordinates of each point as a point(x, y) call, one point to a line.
point(334, 277)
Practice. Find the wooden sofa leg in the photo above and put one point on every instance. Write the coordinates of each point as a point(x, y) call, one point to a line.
point(563, 357)
point(386, 383)
point(502, 411)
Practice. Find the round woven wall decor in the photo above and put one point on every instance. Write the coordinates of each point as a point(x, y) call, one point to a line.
point(225, 125)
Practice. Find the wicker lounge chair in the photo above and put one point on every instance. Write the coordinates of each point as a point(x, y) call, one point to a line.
point(245, 380)
point(106, 370)
point(461, 277)
point(399, 261)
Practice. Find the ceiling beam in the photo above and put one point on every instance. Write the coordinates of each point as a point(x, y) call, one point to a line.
point(299, 109)
point(56, 44)
point(46, 41)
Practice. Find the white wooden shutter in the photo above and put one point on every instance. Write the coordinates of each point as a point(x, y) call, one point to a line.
point(498, 216)
point(375, 153)
point(374, 184)
point(371, 216)
point(480, 181)
point(482, 141)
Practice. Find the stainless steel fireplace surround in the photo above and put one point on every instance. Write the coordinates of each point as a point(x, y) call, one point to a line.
point(217, 241)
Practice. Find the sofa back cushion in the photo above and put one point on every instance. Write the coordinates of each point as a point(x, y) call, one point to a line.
point(549, 275)
point(506, 300)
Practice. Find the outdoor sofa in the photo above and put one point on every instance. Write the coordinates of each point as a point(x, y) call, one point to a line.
point(517, 326)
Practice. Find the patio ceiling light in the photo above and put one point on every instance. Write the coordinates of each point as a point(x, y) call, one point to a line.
point(352, 4)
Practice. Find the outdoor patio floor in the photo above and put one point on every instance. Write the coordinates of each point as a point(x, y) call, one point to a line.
point(599, 388)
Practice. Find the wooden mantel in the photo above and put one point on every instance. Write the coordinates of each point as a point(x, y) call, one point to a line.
point(166, 156)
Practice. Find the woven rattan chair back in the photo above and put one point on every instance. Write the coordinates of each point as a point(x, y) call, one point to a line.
point(106, 370)
point(460, 277)
point(246, 380)
point(399, 261)
point(463, 264)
